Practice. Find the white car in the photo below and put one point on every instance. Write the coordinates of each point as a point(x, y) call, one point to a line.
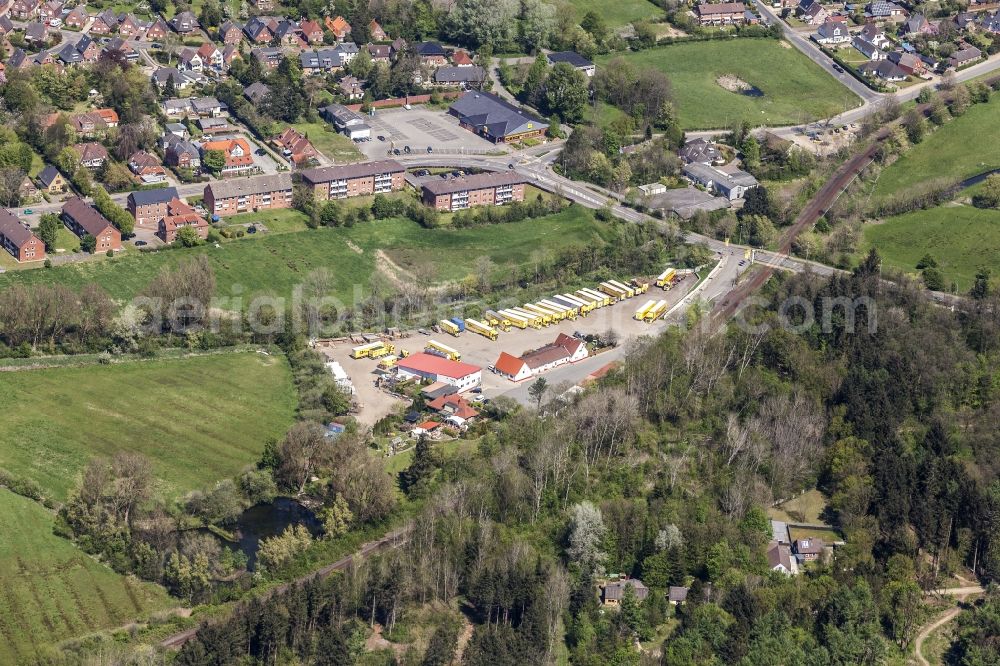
point(55, 23)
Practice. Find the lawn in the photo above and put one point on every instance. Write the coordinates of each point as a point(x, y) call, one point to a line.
point(960, 238)
point(617, 13)
point(51, 591)
point(806, 508)
point(198, 419)
point(279, 221)
point(794, 88)
point(957, 150)
point(336, 147)
point(276, 263)
point(828, 536)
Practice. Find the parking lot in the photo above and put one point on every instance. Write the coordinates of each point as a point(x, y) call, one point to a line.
point(483, 352)
point(419, 128)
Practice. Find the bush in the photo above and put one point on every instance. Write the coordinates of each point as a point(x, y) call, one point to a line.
point(23, 487)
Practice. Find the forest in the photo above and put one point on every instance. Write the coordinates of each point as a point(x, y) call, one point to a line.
point(664, 472)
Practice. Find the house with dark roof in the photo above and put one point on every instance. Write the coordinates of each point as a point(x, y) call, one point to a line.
point(677, 595)
point(908, 62)
point(230, 33)
point(808, 550)
point(92, 155)
point(246, 195)
point(104, 23)
point(574, 60)
point(77, 18)
point(833, 31)
point(459, 76)
point(779, 558)
point(379, 52)
point(325, 60)
point(918, 25)
point(883, 69)
point(17, 238)
point(257, 31)
point(965, 56)
point(51, 180)
point(351, 88)
point(184, 23)
point(269, 56)
point(881, 10)
point(36, 33)
point(431, 53)
point(612, 593)
point(256, 92)
point(83, 219)
point(179, 152)
point(148, 207)
point(496, 119)
point(732, 184)
point(701, 151)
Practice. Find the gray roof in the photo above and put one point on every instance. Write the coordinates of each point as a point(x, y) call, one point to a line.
point(47, 175)
point(459, 75)
point(677, 593)
point(157, 196)
point(235, 187)
point(35, 32)
point(884, 69)
point(256, 91)
point(477, 181)
point(970, 53)
point(341, 116)
point(207, 104)
point(359, 170)
point(704, 174)
point(429, 49)
point(13, 229)
point(499, 118)
point(570, 57)
point(699, 150)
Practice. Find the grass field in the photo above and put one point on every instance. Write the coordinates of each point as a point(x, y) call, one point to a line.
point(197, 419)
point(806, 508)
point(335, 146)
point(960, 238)
point(274, 264)
point(957, 150)
point(51, 591)
point(794, 87)
point(617, 13)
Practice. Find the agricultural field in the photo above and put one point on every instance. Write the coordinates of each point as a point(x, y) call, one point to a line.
point(276, 263)
point(617, 13)
point(960, 238)
point(198, 419)
point(51, 591)
point(957, 150)
point(791, 87)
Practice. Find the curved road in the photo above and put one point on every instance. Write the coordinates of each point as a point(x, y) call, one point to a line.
point(948, 616)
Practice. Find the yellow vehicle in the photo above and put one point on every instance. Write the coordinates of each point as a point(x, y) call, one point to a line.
point(403, 353)
point(656, 311)
point(496, 320)
point(534, 319)
point(575, 307)
point(666, 278)
point(555, 314)
point(541, 313)
point(639, 286)
point(389, 362)
point(567, 312)
point(372, 350)
point(603, 298)
point(586, 306)
point(599, 299)
point(439, 349)
point(640, 314)
point(515, 319)
point(629, 291)
point(449, 327)
point(616, 293)
point(482, 329)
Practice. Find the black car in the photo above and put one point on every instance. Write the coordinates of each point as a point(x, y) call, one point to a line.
point(406, 149)
point(395, 151)
point(252, 229)
point(429, 149)
point(839, 68)
point(510, 166)
point(380, 137)
point(141, 243)
point(261, 151)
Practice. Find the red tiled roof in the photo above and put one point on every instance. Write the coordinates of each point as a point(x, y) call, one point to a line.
point(428, 425)
point(436, 365)
point(508, 365)
point(569, 342)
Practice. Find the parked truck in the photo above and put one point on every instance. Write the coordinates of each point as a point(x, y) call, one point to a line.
point(616, 293)
point(389, 362)
point(449, 327)
point(640, 286)
point(568, 311)
point(656, 311)
point(481, 328)
point(372, 350)
point(640, 314)
point(534, 320)
point(666, 278)
point(496, 320)
point(575, 307)
point(629, 291)
point(541, 313)
point(458, 321)
point(599, 299)
point(584, 306)
point(440, 349)
point(514, 318)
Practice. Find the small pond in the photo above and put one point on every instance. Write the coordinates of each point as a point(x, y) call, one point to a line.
point(267, 520)
point(752, 91)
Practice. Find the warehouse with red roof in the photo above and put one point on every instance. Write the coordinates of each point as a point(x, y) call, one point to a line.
point(423, 366)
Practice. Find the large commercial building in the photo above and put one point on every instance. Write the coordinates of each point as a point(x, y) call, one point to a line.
point(246, 195)
point(463, 376)
point(353, 180)
point(16, 238)
point(495, 119)
point(483, 189)
point(81, 218)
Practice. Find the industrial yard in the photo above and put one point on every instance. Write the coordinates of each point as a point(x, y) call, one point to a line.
point(481, 351)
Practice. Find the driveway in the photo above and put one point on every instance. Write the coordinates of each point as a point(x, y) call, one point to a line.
point(420, 128)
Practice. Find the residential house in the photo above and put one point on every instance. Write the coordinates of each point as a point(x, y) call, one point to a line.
point(215, 126)
point(36, 33)
point(612, 593)
point(990, 22)
point(833, 31)
point(24, 10)
point(178, 130)
point(88, 48)
point(256, 92)
point(82, 219)
point(148, 207)
point(295, 146)
point(376, 33)
point(269, 56)
point(211, 56)
point(338, 26)
point(428, 367)
point(117, 44)
point(812, 12)
point(180, 215)
point(729, 185)
point(325, 60)
point(132, 26)
point(147, 167)
point(808, 550)
point(230, 33)
point(964, 20)
point(431, 53)
point(27, 190)
point(104, 23)
point(459, 76)
point(176, 108)
point(352, 180)
point(720, 13)
point(483, 189)
point(49, 10)
point(51, 181)
point(496, 119)
point(311, 31)
point(909, 63)
point(881, 10)
point(918, 25)
point(92, 155)
point(158, 30)
point(6, 27)
point(287, 33)
point(246, 195)
point(257, 31)
point(238, 154)
point(68, 55)
point(453, 407)
point(461, 58)
point(263, 5)
point(182, 80)
point(208, 107)
point(379, 52)
point(181, 153)
point(701, 151)
point(565, 349)
point(677, 595)
point(511, 367)
point(184, 23)
point(189, 61)
point(230, 53)
point(574, 60)
point(16, 238)
point(351, 88)
point(871, 42)
point(77, 18)
point(964, 56)
point(779, 558)
point(868, 49)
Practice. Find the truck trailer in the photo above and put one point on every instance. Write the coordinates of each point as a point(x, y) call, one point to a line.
point(449, 327)
point(666, 278)
point(440, 349)
point(481, 328)
point(515, 319)
point(640, 314)
point(629, 291)
point(372, 350)
point(656, 311)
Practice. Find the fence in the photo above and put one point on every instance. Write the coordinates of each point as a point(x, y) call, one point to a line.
point(402, 101)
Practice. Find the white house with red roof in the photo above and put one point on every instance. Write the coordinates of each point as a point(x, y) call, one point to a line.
point(423, 366)
point(565, 349)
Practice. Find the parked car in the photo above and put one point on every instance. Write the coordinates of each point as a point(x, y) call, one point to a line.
point(141, 243)
point(395, 151)
point(838, 68)
point(429, 149)
point(380, 137)
point(252, 229)
point(28, 211)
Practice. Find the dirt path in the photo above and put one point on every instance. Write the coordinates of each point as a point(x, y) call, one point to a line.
point(960, 594)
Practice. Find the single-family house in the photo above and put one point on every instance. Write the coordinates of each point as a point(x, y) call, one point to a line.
point(701, 151)
point(268, 56)
point(779, 558)
point(868, 49)
point(104, 23)
point(208, 107)
point(158, 30)
point(119, 45)
point(51, 181)
point(287, 33)
point(574, 60)
point(325, 60)
point(964, 20)
point(77, 18)
point(178, 130)
point(6, 26)
point(184, 23)
point(312, 32)
point(376, 33)
point(881, 10)
point(27, 190)
point(181, 153)
point(918, 25)
point(964, 56)
point(431, 53)
point(92, 155)
point(257, 31)
point(338, 26)
point(36, 33)
point(24, 10)
point(833, 31)
point(612, 593)
point(812, 12)
point(908, 62)
point(230, 33)
point(263, 6)
point(461, 58)
point(459, 76)
point(256, 92)
point(238, 156)
point(379, 52)
point(808, 550)
point(182, 80)
point(677, 595)
point(230, 53)
point(189, 61)
point(453, 405)
point(131, 26)
point(295, 146)
point(211, 56)
point(180, 215)
point(990, 22)
point(351, 88)
point(50, 10)
point(83, 219)
point(147, 167)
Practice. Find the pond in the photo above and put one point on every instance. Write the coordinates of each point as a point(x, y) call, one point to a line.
point(267, 520)
point(752, 91)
